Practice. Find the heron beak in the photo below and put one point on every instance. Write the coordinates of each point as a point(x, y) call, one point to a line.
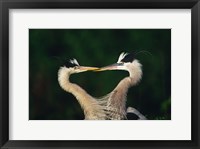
point(85, 68)
point(109, 67)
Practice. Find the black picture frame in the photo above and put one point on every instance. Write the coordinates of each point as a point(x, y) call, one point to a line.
point(5, 5)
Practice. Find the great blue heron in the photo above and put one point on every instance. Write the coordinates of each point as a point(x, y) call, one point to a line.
point(116, 100)
point(109, 107)
point(93, 110)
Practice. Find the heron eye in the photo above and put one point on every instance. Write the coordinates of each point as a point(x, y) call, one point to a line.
point(76, 67)
point(119, 64)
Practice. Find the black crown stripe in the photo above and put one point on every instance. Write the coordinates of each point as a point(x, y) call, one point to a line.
point(129, 57)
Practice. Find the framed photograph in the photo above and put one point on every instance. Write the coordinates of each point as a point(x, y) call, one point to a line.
point(99, 74)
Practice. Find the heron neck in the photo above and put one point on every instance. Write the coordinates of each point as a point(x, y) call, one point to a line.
point(84, 99)
point(118, 99)
point(135, 73)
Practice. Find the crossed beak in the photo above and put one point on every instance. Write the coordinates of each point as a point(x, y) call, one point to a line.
point(86, 68)
point(109, 67)
point(114, 66)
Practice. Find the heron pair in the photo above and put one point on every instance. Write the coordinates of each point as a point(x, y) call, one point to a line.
point(113, 105)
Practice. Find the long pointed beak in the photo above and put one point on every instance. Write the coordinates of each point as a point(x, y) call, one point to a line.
point(109, 67)
point(86, 68)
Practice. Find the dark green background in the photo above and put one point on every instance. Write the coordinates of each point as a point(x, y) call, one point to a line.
point(49, 48)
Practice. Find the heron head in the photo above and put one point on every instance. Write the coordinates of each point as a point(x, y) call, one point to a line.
point(74, 67)
point(125, 62)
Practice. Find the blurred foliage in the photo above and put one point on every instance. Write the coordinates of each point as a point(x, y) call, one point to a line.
point(98, 47)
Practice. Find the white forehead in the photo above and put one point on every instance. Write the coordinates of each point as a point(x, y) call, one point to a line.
point(121, 56)
point(74, 61)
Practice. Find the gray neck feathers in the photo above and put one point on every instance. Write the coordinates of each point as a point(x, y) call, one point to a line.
point(80, 94)
point(118, 97)
point(90, 106)
point(135, 73)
